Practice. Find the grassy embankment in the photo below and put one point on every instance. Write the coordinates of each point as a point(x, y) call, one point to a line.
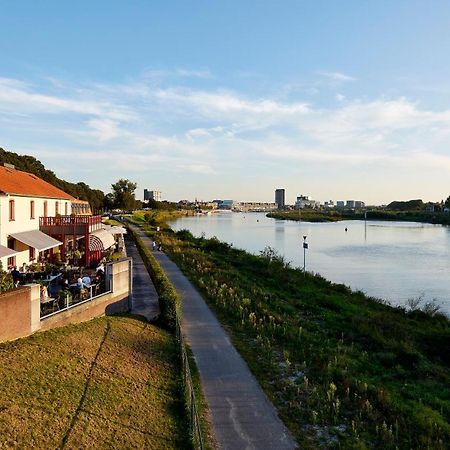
point(341, 368)
point(337, 215)
point(109, 383)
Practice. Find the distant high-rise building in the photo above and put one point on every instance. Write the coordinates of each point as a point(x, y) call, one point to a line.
point(340, 204)
point(152, 195)
point(280, 198)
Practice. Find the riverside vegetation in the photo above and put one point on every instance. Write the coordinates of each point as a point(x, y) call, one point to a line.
point(342, 369)
point(311, 215)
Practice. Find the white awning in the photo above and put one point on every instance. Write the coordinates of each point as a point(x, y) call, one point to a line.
point(101, 240)
point(6, 252)
point(115, 229)
point(36, 239)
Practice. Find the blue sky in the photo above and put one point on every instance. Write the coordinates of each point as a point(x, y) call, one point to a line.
point(209, 99)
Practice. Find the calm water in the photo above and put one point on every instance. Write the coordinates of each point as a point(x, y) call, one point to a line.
point(390, 260)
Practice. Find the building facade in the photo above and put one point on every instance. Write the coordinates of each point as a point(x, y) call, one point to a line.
point(152, 195)
point(24, 198)
point(304, 201)
point(253, 206)
point(280, 198)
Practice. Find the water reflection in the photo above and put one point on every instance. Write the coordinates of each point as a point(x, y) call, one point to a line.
point(390, 260)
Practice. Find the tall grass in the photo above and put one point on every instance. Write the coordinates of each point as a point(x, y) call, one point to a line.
point(343, 370)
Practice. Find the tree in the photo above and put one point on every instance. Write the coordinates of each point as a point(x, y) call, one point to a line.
point(123, 193)
point(447, 202)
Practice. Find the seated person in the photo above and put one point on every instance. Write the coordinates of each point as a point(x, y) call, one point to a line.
point(43, 293)
point(100, 268)
point(16, 276)
point(86, 280)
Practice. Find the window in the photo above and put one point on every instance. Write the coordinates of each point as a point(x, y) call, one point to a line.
point(11, 262)
point(11, 243)
point(45, 208)
point(32, 209)
point(11, 210)
point(56, 208)
point(32, 253)
point(66, 210)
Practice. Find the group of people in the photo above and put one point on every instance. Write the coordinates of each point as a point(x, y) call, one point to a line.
point(156, 246)
point(77, 289)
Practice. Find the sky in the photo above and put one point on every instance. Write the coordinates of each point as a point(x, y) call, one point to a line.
point(232, 99)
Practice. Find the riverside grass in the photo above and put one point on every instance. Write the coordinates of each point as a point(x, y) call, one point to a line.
point(310, 215)
point(344, 370)
point(111, 382)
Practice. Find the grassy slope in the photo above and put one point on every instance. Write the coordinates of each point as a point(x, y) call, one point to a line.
point(340, 367)
point(126, 369)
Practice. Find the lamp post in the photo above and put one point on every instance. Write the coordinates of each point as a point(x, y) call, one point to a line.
point(305, 246)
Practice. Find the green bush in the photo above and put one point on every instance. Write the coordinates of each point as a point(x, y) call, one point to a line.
point(6, 281)
point(169, 300)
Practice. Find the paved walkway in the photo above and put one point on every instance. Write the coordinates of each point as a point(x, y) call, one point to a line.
point(242, 415)
point(144, 299)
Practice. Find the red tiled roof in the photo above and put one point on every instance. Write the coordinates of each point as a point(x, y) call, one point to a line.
point(79, 202)
point(14, 181)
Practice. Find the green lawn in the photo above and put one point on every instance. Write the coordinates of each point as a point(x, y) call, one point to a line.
point(109, 383)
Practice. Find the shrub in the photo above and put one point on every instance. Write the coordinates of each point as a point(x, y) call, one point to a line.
point(6, 281)
point(169, 300)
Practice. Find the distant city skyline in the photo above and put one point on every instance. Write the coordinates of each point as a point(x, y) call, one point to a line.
point(233, 99)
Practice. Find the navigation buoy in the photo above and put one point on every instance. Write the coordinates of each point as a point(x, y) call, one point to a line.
point(346, 229)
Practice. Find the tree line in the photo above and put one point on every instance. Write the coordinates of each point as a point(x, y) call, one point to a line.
point(122, 195)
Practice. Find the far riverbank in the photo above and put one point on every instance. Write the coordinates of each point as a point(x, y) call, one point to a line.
point(308, 215)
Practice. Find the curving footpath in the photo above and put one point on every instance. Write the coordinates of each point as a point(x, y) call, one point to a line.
point(144, 298)
point(242, 415)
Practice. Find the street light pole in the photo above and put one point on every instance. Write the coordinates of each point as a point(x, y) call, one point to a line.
point(305, 246)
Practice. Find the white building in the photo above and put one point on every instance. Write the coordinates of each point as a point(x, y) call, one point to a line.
point(304, 201)
point(254, 206)
point(152, 195)
point(23, 199)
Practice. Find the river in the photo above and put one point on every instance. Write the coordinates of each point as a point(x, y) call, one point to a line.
point(394, 261)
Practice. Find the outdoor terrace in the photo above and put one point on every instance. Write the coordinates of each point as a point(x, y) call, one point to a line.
point(77, 225)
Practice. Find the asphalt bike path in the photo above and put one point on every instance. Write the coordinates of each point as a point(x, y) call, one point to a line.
point(144, 298)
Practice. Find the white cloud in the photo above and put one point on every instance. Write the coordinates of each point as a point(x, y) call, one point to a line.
point(16, 96)
point(104, 129)
point(141, 125)
point(338, 77)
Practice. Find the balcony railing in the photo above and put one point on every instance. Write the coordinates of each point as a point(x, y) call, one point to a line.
point(62, 300)
point(91, 222)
